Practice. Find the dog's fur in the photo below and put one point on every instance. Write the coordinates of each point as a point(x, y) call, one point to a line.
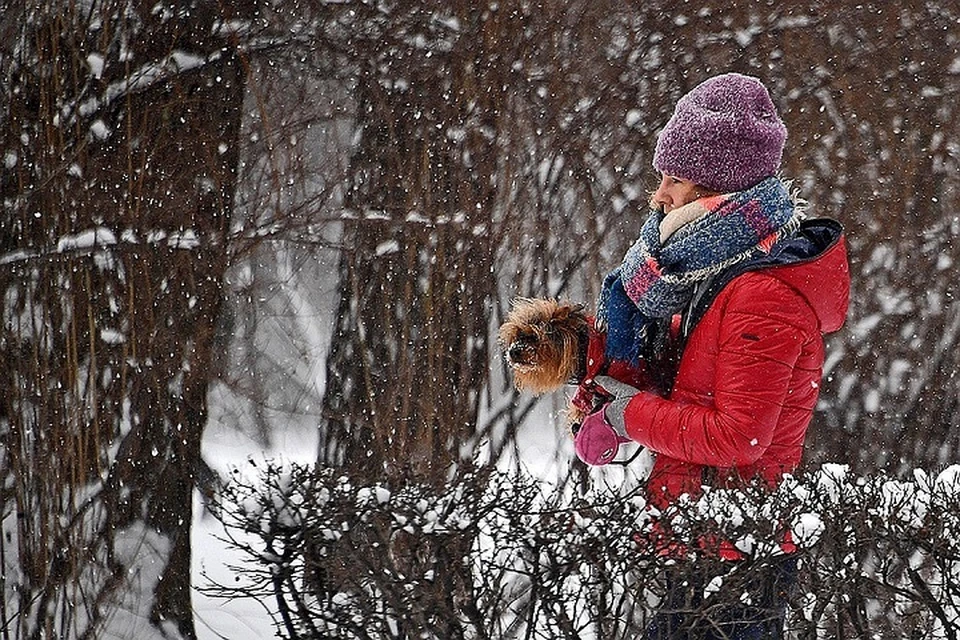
point(542, 340)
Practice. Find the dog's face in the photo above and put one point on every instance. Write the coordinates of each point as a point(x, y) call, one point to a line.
point(541, 341)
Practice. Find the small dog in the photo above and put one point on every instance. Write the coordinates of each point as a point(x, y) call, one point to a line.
point(544, 341)
point(548, 344)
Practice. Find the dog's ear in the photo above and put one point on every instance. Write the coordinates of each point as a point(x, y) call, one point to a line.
point(567, 309)
point(522, 301)
point(577, 309)
point(520, 308)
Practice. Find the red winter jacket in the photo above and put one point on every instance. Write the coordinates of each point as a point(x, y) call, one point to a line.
point(749, 375)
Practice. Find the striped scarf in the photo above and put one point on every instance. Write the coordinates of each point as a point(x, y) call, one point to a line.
point(657, 279)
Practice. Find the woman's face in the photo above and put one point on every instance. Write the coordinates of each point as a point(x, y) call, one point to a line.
point(675, 192)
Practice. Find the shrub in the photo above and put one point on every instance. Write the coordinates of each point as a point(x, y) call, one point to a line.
point(500, 555)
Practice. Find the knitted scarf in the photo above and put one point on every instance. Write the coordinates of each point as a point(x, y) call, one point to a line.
point(657, 280)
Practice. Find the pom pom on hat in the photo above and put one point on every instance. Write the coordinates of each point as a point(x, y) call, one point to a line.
point(724, 135)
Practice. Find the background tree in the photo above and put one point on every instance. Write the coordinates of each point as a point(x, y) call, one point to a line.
point(119, 132)
point(880, 154)
point(410, 354)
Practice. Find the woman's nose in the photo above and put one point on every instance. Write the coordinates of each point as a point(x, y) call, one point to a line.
point(660, 197)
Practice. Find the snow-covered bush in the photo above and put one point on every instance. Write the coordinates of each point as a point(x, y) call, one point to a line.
point(502, 556)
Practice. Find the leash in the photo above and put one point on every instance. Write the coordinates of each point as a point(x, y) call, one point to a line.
point(624, 463)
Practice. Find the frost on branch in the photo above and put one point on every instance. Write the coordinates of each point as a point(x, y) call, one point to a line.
point(500, 556)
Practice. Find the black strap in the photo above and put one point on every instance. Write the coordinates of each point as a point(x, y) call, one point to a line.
point(583, 347)
point(624, 463)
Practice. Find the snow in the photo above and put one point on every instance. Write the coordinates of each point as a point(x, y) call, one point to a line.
point(388, 247)
point(807, 529)
point(95, 62)
point(97, 237)
point(100, 130)
point(231, 453)
point(713, 586)
point(112, 336)
point(185, 61)
point(186, 239)
point(948, 481)
point(145, 552)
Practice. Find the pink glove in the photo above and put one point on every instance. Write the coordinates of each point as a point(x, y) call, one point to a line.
point(597, 442)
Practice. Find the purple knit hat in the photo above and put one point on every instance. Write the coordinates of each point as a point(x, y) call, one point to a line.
point(724, 135)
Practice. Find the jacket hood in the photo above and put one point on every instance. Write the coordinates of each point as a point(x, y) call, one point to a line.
point(814, 262)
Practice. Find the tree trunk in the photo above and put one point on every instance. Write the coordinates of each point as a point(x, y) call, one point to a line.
point(410, 350)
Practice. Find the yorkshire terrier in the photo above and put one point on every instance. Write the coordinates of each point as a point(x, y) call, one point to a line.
point(544, 342)
point(548, 343)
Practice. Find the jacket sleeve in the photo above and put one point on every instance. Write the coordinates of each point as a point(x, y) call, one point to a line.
point(762, 330)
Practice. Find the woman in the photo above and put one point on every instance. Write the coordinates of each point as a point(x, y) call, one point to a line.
point(725, 297)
